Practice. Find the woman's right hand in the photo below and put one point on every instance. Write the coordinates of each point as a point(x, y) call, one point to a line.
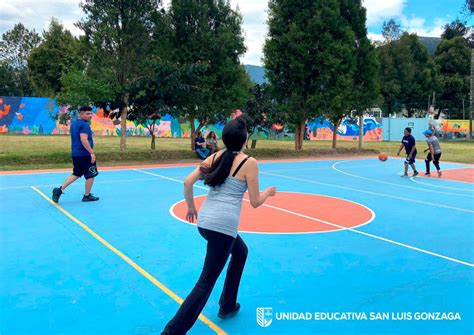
point(191, 214)
point(271, 191)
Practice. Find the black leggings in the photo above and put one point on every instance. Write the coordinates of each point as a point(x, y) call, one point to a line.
point(219, 247)
point(435, 161)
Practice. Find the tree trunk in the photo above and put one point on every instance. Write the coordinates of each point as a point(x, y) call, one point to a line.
point(153, 137)
point(250, 133)
point(254, 144)
point(361, 130)
point(334, 134)
point(299, 136)
point(193, 132)
point(471, 96)
point(123, 122)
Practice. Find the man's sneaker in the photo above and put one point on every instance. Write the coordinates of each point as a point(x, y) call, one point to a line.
point(226, 315)
point(89, 197)
point(415, 173)
point(404, 175)
point(439, 174)
point(427, 174)
point(56, 194)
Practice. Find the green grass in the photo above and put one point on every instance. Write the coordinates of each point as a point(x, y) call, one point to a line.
point(18, 152)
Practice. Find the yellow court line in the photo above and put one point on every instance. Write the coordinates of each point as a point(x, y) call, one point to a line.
point(137, 267)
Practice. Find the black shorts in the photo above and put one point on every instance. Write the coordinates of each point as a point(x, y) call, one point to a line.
point(411, 160)
point(84, 167)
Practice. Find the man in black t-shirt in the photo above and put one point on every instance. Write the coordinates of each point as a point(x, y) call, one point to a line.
point(408, 141)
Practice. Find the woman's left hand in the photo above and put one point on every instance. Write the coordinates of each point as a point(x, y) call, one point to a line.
point(191, 214)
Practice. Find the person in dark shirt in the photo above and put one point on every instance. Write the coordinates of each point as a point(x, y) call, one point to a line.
point(408, 141)
point(199, 145)
point(83, 156)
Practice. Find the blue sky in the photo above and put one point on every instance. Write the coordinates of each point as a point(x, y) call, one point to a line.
point(425, 17)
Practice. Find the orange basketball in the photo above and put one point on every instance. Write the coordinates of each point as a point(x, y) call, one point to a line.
point(383, 157)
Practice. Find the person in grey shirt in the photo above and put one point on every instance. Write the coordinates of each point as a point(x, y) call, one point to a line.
point(434, 152)
point(229, 173)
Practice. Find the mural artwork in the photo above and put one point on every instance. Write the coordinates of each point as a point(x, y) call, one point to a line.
point(36, 116)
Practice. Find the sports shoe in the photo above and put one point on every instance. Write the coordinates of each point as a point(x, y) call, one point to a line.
point(427, 174)
point(56, 194)
point(439, 174)
point(404, 175)
point(90, 197)
point(415, 173)
point(226, 315)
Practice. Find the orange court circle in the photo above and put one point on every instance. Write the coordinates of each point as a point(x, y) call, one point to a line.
point(293, 213)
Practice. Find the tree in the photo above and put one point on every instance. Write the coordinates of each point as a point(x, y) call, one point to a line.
point(57, 54)
point(8, 84)
point(407, 73)
point(469, 5)
point(78, 89)
point(391, 31)
point(457, 28)
point(118, 35)
point(209, 32)
point(453, 60)
point(312, 55)
point(15, 47)
point(366, 87)
point(470, 11)
point(259, 110)
point(157, 94)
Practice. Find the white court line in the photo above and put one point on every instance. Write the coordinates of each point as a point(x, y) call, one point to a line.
point(398, 185)
point(106, 169)
point(370, 192)
point(447, 187)
point(77, 184)
point(332, 224)
point(372, 218)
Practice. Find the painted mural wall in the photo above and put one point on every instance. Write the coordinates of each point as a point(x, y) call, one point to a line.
point(321, 129)
point(454, 129)
point(36, 116)
point(445, 129)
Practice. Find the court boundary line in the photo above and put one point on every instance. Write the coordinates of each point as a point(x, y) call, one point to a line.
point(470, 165)
point(368, 192)
point(184, 164)
point(293, 213)
point(173, 165)
point(394, 184)
point(130, 262)
point(196, 163)
point(21, 187)
point(435, 178)
point(349, 229)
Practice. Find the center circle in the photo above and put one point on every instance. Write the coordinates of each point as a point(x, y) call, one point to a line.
point(293, 213)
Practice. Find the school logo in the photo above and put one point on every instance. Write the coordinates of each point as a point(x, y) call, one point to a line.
point(264, 316)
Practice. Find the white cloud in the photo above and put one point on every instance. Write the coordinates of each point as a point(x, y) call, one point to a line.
point(37, 14)
point(383, 10)
point(375, 37)
point(380, 11)
point(254, 25)
point(419, 26)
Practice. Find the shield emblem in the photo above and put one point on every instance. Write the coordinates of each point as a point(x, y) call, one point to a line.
point(264, 316)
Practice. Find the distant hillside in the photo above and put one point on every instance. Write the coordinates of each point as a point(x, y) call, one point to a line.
point(256, 73)
point(431, 43)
